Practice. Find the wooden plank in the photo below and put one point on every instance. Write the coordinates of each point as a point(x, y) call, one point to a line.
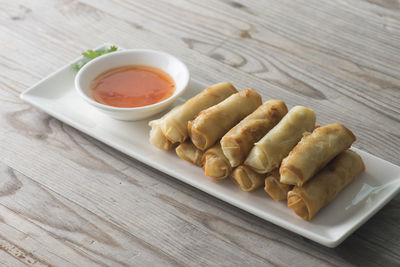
point(8, 260)
point(41, 228)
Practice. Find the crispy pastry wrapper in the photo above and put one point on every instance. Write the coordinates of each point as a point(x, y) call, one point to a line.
point(306, 201)
point(267, 154)
point(157, 138)
point(236, 143)
point(211, 124)
point(174, 123)
point(247, 179)
point(215, 164)
point(313, 152)
point(190, 153)
point(275, 188)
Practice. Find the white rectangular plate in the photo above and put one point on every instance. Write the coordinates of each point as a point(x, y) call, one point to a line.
point(359, 201)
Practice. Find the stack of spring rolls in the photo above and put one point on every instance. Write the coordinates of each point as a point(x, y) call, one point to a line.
point(233, 134)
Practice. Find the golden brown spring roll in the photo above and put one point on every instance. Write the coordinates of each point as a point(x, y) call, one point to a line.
point(215, 164)
point(236, 143)
point(157, 138)
point(189, 152)
point(247, 179)
point(267, 154)
point(313, 152)
point(211, 124)
point(274, 188)
point(174, 123)
point(306, 201)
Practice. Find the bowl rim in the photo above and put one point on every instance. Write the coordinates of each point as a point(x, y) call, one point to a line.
point(126, 51)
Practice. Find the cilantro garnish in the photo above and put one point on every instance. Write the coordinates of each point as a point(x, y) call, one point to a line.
point(92, 54)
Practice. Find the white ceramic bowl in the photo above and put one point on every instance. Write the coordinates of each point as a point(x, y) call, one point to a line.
point(161, 60)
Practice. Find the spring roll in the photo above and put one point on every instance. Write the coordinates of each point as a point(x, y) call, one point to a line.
point(236, 143)
point(247, 179)
point(157, 138)
point(306, 201)
point(275, 188)
point(268, 153)
point(211, 124)
point(174, 123)
point(215, 164)
point(313, 152)
point(189, 152)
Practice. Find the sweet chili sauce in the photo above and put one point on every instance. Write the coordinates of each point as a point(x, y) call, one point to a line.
point(132, 86)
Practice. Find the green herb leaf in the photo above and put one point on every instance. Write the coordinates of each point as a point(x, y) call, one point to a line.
point(90, 54)
point(78, 65)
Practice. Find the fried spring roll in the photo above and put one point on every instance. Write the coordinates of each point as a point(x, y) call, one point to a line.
point(189, 152)
point(247, 179)
point(174, 123)
point(268, 153)
point(215, 164)
point(157, 138)
point(274, 188)
point(306, 201)
point(236, 143)
point(211, 124)
point(313, 152)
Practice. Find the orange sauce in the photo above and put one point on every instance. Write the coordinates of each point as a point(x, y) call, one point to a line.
point(132, 86)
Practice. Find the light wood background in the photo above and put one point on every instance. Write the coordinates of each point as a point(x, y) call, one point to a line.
point(67, 199)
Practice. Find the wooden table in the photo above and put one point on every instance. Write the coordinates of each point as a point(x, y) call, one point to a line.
point(67, 199)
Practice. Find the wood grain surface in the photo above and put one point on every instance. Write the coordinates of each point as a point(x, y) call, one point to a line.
point(67, 199)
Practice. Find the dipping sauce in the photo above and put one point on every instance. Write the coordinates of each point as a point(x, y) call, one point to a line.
point(132, 86)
